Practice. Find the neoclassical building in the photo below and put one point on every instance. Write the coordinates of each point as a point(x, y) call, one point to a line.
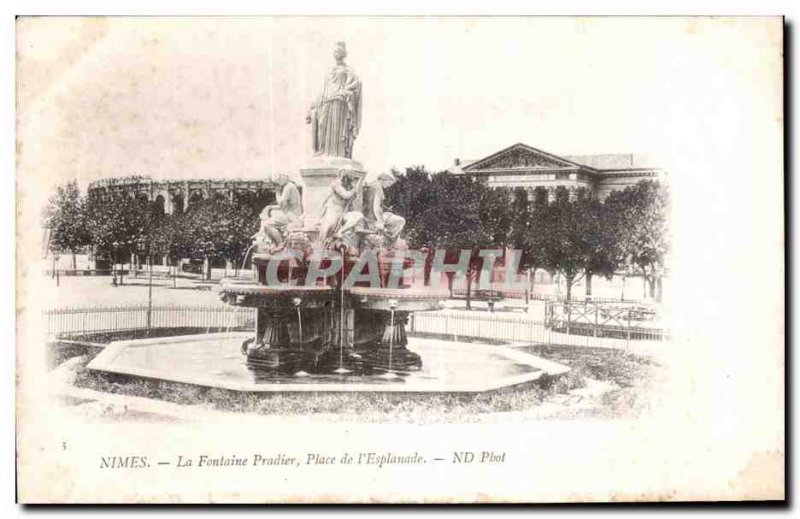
point(521, 165)
point(175, 196)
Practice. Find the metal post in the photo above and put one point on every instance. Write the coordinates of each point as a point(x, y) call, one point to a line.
point(532, 332)
point(527, 289)
point(150, 292)
point(569, 314)
point(629, 328)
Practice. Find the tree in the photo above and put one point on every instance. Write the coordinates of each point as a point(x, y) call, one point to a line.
point(567, 235)
point(638, 217)
point(65, 217)
point(526, 227)
point(602, 248)
point(244, 223)
point(452, 213)
point(411, 196)
point(217, 228)
point(165, 238)
point(117, 222)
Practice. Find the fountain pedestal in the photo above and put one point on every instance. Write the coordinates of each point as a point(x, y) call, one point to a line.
point(317, 175)
point(321, 328)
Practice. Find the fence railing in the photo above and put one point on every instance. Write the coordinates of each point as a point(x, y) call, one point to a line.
point(75, 321)
point(502, 293)
point(523, 328)
point(605, 319)
point(456, 325)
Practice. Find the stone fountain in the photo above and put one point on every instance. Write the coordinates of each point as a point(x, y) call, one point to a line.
point(333, 291)
point(311, 315)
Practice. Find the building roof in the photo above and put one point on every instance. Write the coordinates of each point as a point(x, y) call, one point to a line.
point(615, 160)
point(521, 156)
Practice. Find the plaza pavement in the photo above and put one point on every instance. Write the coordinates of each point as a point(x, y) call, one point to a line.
point(93, 291)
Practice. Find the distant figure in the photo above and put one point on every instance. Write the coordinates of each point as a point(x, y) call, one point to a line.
point(341, 209)
point(335, 116)
point(277, 220)
point(376, 217)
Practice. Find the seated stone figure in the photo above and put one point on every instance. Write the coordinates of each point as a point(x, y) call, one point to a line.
point(341, 209)
point(377, 219)
point(277, 220)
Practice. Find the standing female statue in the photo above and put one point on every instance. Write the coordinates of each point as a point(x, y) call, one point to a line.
point(335, 117)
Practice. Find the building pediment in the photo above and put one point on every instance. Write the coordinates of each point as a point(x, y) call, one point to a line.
point(520, 156)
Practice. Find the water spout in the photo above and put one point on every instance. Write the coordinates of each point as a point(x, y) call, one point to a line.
point(341, 369)
point(247, 252)
point(297, 302)
point(390, 374)
point(232, 320)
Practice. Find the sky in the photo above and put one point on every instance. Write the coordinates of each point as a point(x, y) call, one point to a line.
point(227, 97)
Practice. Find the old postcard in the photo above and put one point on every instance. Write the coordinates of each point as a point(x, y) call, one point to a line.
point(399, 259)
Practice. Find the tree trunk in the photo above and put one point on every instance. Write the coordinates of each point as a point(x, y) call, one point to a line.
point(651, 281)
point(568, 280)
point(469, 290)
point(527, 287)
point(659, 289)
point(426, 271)
point(74, 261)
point(589, 283)
point(208, 268)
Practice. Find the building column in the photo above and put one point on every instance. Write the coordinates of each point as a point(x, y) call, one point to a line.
point(186, 196)
point(168, 201)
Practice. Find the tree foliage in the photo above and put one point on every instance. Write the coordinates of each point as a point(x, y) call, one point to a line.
point(117, 222)
point(452, 213)
point(638, 217)
point(65, 217)
point(214, 228)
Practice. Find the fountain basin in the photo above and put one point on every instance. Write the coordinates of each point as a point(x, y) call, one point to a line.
point(415, 299)
point(215, 360)
point(265, 296)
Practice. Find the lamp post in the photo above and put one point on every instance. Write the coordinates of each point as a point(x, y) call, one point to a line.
point(150, 292)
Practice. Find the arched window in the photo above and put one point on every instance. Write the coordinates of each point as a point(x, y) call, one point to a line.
point(177, 204)
point(195, 197)
point(160, 202)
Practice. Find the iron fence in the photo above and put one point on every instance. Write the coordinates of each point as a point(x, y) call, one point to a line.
point(502, 293)
point(523, 328)
point(602, 316)
point(456, 325)
point(75, 321)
